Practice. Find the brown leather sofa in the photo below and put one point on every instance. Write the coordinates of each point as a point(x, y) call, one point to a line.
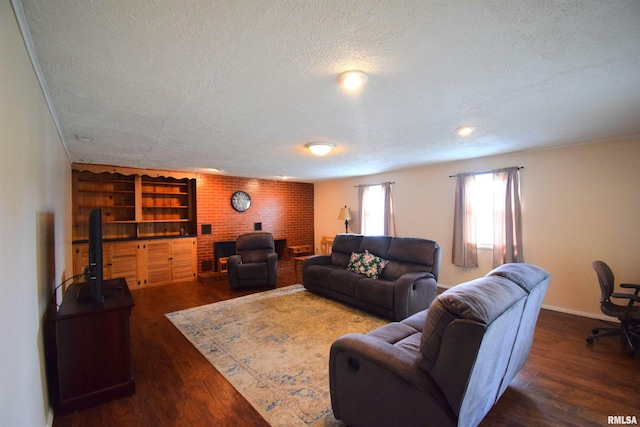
point(408, 282)
point(445, 366)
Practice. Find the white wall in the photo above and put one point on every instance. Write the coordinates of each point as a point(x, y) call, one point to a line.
point(35, 225)
point(580, 203)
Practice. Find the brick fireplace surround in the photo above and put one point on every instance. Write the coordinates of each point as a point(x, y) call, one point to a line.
point(283, 208)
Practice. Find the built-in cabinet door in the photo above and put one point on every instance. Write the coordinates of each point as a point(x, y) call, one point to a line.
point(158, 262)
point(183, 255)
point(121, 259)
point(144, 262)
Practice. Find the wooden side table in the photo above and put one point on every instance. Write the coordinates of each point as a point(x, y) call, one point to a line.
point(301, 249)
point(298, 260)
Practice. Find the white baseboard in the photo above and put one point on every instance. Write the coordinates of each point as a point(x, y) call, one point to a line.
point(579, 313)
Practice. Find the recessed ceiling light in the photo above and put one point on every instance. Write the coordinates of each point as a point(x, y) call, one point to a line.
point(352, 80)
point(320, 148)
point(465, 130)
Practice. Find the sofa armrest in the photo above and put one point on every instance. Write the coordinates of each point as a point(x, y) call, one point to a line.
point(372, 381)
point(232, 269)
point(316, 260)
point(233, 261)
point(272, 268)
point(414, 292)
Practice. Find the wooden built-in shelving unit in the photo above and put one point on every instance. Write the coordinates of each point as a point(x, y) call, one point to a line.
point(135, 204)
point(148, 222)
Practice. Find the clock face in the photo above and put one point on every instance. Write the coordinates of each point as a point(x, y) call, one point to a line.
point(240, 201)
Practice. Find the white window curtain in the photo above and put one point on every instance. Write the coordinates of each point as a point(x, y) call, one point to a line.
point(507, 245)
point(507, 230)
point(389, 214)
point(465, 248)
point(376, 209)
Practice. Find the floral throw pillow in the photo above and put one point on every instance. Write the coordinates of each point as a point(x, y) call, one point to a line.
point(367, 263)
point(355, 262)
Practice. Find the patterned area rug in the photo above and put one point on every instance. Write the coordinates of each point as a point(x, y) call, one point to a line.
point(273, 347)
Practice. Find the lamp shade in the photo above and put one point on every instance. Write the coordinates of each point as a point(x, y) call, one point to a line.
point(345, 214)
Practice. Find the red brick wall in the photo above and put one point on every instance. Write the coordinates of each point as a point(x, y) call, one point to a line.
point(284, 208)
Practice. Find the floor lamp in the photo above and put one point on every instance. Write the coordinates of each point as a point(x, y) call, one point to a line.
point(345, 216)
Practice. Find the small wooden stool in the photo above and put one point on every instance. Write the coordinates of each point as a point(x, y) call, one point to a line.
point(222, 264)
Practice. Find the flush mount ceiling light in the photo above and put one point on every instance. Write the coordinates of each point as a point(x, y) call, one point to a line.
point(320, 148)
point(465, 130)
point(352, 80)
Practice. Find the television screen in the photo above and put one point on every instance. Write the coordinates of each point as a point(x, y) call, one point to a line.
point(95, 256)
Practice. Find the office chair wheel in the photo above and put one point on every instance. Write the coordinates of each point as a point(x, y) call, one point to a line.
point(589, 340)
point(595, 331)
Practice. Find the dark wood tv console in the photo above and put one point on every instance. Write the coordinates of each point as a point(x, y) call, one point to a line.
point(87, 346)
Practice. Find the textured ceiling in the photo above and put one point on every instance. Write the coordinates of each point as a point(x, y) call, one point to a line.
point(242, 85)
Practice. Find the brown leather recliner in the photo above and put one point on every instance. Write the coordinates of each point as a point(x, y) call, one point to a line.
point(255, 263)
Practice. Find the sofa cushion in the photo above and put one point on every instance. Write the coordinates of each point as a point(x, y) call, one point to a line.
point(480, 301)
point(367, 264)
point(413, 250)
point(393, 332)
point(252, 271)
point(255, 255)
point(344, 281)
point(343, 246)
point(319, 274)
point(377, 245)
point(375, 291)
point(408, 255)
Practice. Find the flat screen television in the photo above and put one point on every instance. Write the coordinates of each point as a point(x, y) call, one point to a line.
point(94, 270)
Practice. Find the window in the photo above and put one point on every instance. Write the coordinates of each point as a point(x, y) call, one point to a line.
point(373, 210)
point(377, 215)
point(487, 213)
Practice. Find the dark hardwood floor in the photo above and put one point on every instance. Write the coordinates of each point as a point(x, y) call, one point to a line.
point(565, 381)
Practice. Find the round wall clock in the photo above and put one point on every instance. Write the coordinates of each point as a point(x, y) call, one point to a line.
point(240, 201)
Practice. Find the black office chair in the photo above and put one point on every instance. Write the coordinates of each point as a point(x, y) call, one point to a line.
point(628, 315)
